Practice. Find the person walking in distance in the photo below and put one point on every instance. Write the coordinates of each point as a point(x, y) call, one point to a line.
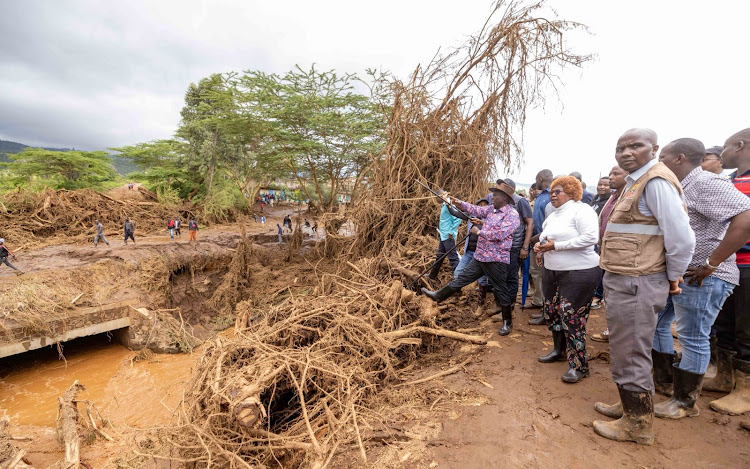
point(170, 228)
point(720, 217)
point(447, 232)
point(617, 181)
point(647, 246)
point(732, 326)
point(280, 232)
point(129, 230)
point(543, 180)
point(177, 226)
point(4, 253)
point(192, 229)
point(99, 233)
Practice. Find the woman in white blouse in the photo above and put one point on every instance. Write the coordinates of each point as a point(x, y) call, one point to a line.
point(570, 275)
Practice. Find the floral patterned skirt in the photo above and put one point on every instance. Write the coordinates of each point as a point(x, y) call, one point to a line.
point(567, 302)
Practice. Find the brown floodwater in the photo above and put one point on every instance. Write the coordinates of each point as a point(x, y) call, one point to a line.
point(130, 392)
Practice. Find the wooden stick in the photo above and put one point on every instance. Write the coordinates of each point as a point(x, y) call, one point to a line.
point(409, 331)
point(93, 423)
point(17, 459)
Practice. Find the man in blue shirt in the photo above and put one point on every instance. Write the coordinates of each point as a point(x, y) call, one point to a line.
point(543, 180)
point(448, 231)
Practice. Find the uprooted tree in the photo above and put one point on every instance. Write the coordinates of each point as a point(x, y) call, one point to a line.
point(298, 382)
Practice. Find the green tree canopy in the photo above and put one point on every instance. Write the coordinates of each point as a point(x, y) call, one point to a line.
point(68, 169)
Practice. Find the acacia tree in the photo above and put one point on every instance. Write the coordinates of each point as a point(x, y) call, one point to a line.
point(329, 132)
point(206, 105)
point(69, 169)
point(165, 165)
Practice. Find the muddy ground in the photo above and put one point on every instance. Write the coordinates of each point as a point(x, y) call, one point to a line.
point(502, 409)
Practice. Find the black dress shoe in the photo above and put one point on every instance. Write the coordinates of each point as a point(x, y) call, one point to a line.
point(574, 376)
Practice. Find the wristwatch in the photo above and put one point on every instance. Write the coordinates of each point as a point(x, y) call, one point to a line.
point(708, 265)
point(525, 248)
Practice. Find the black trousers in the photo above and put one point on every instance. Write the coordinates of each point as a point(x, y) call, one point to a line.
point(445, 246)
point(497, 275)
point(732, 326)
point(567, 302)
point(512, 274)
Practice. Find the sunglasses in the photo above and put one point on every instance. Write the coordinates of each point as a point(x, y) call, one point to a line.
point(557, 192)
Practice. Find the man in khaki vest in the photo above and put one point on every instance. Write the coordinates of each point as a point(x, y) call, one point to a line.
point(646, 248)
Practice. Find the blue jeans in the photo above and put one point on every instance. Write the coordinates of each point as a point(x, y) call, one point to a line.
point(465, 259)
point(695, 309)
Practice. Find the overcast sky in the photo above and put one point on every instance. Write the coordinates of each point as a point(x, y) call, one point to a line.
point(92, 74)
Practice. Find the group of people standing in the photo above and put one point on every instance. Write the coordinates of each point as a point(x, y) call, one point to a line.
point(657, 243)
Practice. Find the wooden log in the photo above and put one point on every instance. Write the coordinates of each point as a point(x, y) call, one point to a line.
point(67, 428)
point(410, 331)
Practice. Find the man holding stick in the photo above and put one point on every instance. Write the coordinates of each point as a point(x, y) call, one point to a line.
point(494, 225)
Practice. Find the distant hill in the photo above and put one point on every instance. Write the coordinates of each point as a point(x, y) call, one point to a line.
point(123, 166)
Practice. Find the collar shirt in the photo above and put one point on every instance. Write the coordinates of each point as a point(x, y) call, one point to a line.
point(496, 235)
point(712, 202)
point(606, 212)
point(662, 201)
point(448, 224)
point(540, 204)
point(574, 228)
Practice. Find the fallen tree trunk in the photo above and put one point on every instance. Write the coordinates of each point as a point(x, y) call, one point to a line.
point(67, 425)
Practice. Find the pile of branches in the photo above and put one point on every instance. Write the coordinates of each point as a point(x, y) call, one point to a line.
point(456, 119)
point(294, 383)
point(29, 217)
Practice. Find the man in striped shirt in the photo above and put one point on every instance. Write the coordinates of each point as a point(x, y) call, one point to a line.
point(733, 323)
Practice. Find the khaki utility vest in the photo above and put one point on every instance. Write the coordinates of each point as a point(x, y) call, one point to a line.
point(633, 244)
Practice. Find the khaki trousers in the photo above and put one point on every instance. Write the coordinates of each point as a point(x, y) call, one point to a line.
point(536, 276)
point(633, 306)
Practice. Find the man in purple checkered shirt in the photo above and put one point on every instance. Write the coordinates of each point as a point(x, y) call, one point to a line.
point(498, 222)
point(720, 217)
